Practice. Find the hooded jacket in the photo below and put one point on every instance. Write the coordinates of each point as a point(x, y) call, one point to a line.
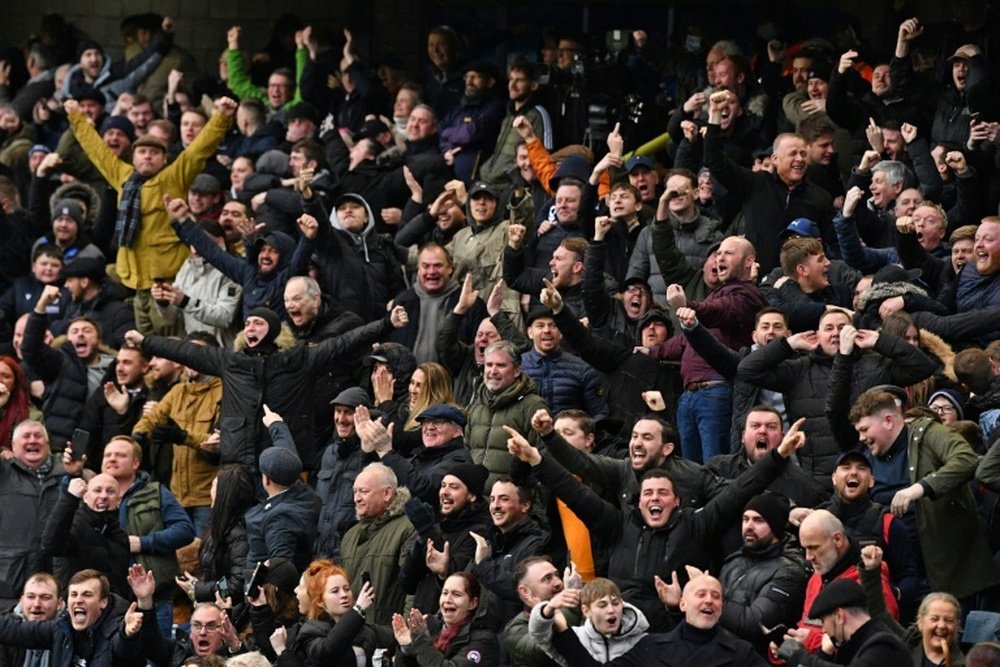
point(360, 269)
point(514, 406)
point(378, 546)
point(632, 628)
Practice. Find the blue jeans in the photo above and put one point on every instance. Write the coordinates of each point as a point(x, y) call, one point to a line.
point(199, 517)
point(703, 422)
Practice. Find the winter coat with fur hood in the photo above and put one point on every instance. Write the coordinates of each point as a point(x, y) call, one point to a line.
point(280, 373)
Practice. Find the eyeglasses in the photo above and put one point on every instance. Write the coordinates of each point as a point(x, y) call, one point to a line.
point(942, 409)
point(207, 627)
point(436, 423)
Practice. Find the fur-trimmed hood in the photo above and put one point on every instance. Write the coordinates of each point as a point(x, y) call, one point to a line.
point(78, 190)
point(932, 343)
point(395, 508)
point(285, 341)
point(882, 291)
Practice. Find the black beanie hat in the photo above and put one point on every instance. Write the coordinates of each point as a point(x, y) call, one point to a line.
point(774, 508)
point(472, 475)
point(273, 323)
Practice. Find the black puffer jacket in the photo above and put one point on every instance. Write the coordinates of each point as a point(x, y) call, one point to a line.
point(638, 552)
point(284, 527)
point(65, 377)
point(227, 560)
point(507, 550)
point(422, 473)
point(80, 538)
point(763, 588)
point(805, 381)
point(251, 377)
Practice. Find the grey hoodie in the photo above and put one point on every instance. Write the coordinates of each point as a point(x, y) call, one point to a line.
point(632, 628)
point(360, 240)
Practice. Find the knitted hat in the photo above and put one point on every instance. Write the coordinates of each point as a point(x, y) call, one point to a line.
point(70, 207)
point(774, 508)
point(952, 397)
point(273, 324)
point(87, 45)
point(282, 465)
point(119, 123)
point(283, 574)
point(472, 475)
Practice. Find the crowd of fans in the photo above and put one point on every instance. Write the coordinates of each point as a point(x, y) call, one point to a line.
point(319, 362)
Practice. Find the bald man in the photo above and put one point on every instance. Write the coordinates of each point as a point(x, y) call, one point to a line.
point(88, 535)
point(698, 637)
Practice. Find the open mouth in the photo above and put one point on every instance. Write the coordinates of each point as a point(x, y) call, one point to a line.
point(760, 445)
point(446, 503)
point(655, 511)
point(202, 645)
point(79, 615)
point(252, 339)
point(853, 483)
point(635, 303)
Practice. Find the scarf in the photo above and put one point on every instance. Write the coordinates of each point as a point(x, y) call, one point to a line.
point(129, 212)
point(448, 633)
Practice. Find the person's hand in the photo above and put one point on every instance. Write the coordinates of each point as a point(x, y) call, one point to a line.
point(176, 207)
point(118, 399)
point(515, 236)
point(233, 38)
point(775, 50)
point(400, 631)
point(523, 127)
point(437, 561)
point(871, 557)
point(441, 204)
point(690, 130)
point(494, 302)
point(225, 106)
point(70, 465)
point(676, 297)
point(382, 384)
point(270, 416)
point(142, 583)
point(133, 620)
point(77, 487)
point(550, 297)
point(798, 514)
point(848, 335)
point(134, 544)
point(519, 446)
point(50, 294)
point(211, 442)
point(167, 292)
point(846, 61)
point(308, 226)
point(654, 400)
point(134, 338)
point(616, 143)
point(571, 577)
point(398, 317)
point(416, 190)
point(467, 297)
point(542, 422)
point(979, 131)
point(687, 317)
point(71, 107)
point(891, 305)
point(449, 155)
point(956, 162)
point(279, 639)
point(260, 600)
point(374, 436)
point(669, 594)
point(874, 134)
point(909, 30)
point(794, 439)
point(804, 341)
point(904, 497)
point(869, 159)
point(693, 104)
point(602, 225)
point(170, 432)
point(366, 597)
point(174, 79)
point(567, 598)
point(851, 200)
point(546, 226)
point(640, 37)
point(866, 339)
point(789, 647)
point(226, 629)
point(309, 42)
point(813, 107)
point(482, 547)
point(417, 622)
point(905, 225)
point(186, 583)
point(717, 103)
point(909, 132)
point(48, 163)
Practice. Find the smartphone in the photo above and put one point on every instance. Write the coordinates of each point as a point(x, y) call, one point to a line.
point(223, 587)
point(80, 441)
point(256, 580)
point(366, 578)
point(775, 634)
